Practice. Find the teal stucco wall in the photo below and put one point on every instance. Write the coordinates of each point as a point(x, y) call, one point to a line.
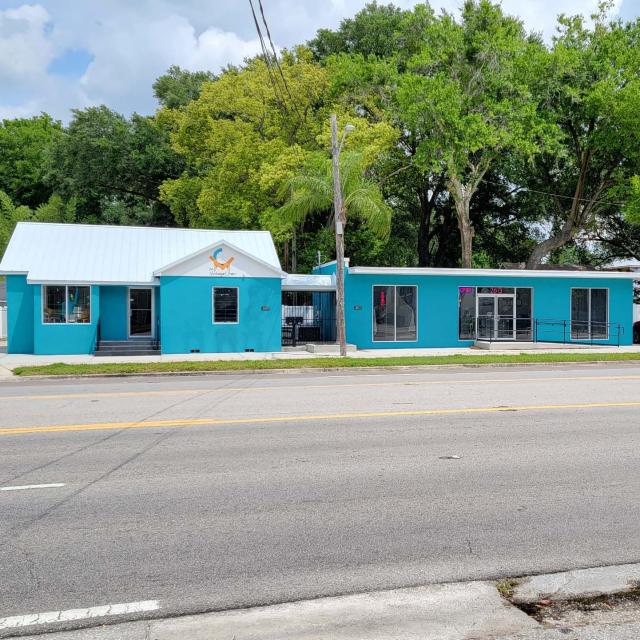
point(186, 318)
point(437, 319)
point(64, 339)
point(20, 296)
point(113, 313)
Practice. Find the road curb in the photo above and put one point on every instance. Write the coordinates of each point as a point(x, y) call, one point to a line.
point(445, 611)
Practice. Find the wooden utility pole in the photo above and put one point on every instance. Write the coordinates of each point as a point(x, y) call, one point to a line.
point(340, 220)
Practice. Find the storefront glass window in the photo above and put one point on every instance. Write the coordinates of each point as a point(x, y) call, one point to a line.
point(467, 313)
point(395, 313)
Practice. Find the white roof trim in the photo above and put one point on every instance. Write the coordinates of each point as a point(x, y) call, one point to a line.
point(503, 273)
point(309, 282)
point(210, 247)
point(326, 264)
point(109, 283)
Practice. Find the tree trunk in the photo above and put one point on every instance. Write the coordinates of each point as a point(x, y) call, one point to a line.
point(466, 235)
point(461, 194)
point(575, 219)
point(544, 248)
point(462, 206)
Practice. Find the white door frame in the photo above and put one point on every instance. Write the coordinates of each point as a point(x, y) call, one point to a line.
point(496, 319)
point(151, 334)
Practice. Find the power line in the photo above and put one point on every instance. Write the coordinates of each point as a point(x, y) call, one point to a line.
point(559, 195)
point(275, 57)
point(267, 61)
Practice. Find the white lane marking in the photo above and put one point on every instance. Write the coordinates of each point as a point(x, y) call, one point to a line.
point(48, 617)
point(52, 485)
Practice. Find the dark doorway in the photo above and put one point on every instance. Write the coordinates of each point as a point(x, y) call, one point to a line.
point(140, 312)
point(308, 316)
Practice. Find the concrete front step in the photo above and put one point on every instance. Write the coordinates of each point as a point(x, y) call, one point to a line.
point(127, 352)
point(134, 342)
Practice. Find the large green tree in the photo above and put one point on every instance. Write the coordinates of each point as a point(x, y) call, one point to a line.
point(373, 31)
point(468, 93)
point(246, 134)
point(53, 210)
point(24, 144)
point(591, 89)
point(178, 87)
point(114, 166)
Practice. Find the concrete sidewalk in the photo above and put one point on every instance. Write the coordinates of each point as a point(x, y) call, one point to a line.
point(8, 362)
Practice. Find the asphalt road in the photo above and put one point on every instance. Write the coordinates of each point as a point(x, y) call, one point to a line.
point(223, 491)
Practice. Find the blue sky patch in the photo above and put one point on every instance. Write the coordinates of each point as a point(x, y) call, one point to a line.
point(71, 64)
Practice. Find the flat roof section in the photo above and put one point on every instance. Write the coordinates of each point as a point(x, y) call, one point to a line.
point(305, 282)
point(500, 273)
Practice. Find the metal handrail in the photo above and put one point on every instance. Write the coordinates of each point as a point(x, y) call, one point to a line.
point(547, 330)
point(570, 334)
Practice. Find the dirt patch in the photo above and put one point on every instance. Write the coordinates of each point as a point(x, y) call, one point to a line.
point(610, 609)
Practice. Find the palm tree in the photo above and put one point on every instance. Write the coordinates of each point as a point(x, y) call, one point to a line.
point(312, 191)
point(351, 191)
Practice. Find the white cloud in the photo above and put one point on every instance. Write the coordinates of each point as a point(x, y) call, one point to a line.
point(130, 56)
point(25, 49)
point(132, 43)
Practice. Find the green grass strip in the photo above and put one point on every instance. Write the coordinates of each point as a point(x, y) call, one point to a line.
point(59, 368)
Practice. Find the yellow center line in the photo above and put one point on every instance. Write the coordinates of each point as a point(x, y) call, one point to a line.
point(347, 385)
point(211, 422)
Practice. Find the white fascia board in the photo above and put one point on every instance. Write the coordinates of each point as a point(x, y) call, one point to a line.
point(210, 247)
point(86, 283)
point(496, 273)
point(302, 287)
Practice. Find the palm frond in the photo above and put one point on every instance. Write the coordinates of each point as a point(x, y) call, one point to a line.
point(368, 204)
point(312, 191)
point(307, 194)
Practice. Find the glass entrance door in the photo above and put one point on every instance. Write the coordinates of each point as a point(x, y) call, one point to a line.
point(140, 312)
point(486, 314)
point(505, 318)
point(496, 317)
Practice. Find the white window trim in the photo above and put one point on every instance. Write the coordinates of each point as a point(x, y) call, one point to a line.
point(589, 289)
point(152, 333)
point(66, 306)
point(213, 304)
point(395, 327)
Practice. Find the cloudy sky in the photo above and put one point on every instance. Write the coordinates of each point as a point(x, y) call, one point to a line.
point(60, 54)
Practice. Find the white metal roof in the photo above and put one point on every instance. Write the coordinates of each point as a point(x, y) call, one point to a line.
point(518, 273)
point(305, 282)
point(104, 254)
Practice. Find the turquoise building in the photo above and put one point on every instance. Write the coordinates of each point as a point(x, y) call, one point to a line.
point(110, 290)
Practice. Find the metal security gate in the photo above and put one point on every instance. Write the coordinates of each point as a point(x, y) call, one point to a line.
point(308, 316)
